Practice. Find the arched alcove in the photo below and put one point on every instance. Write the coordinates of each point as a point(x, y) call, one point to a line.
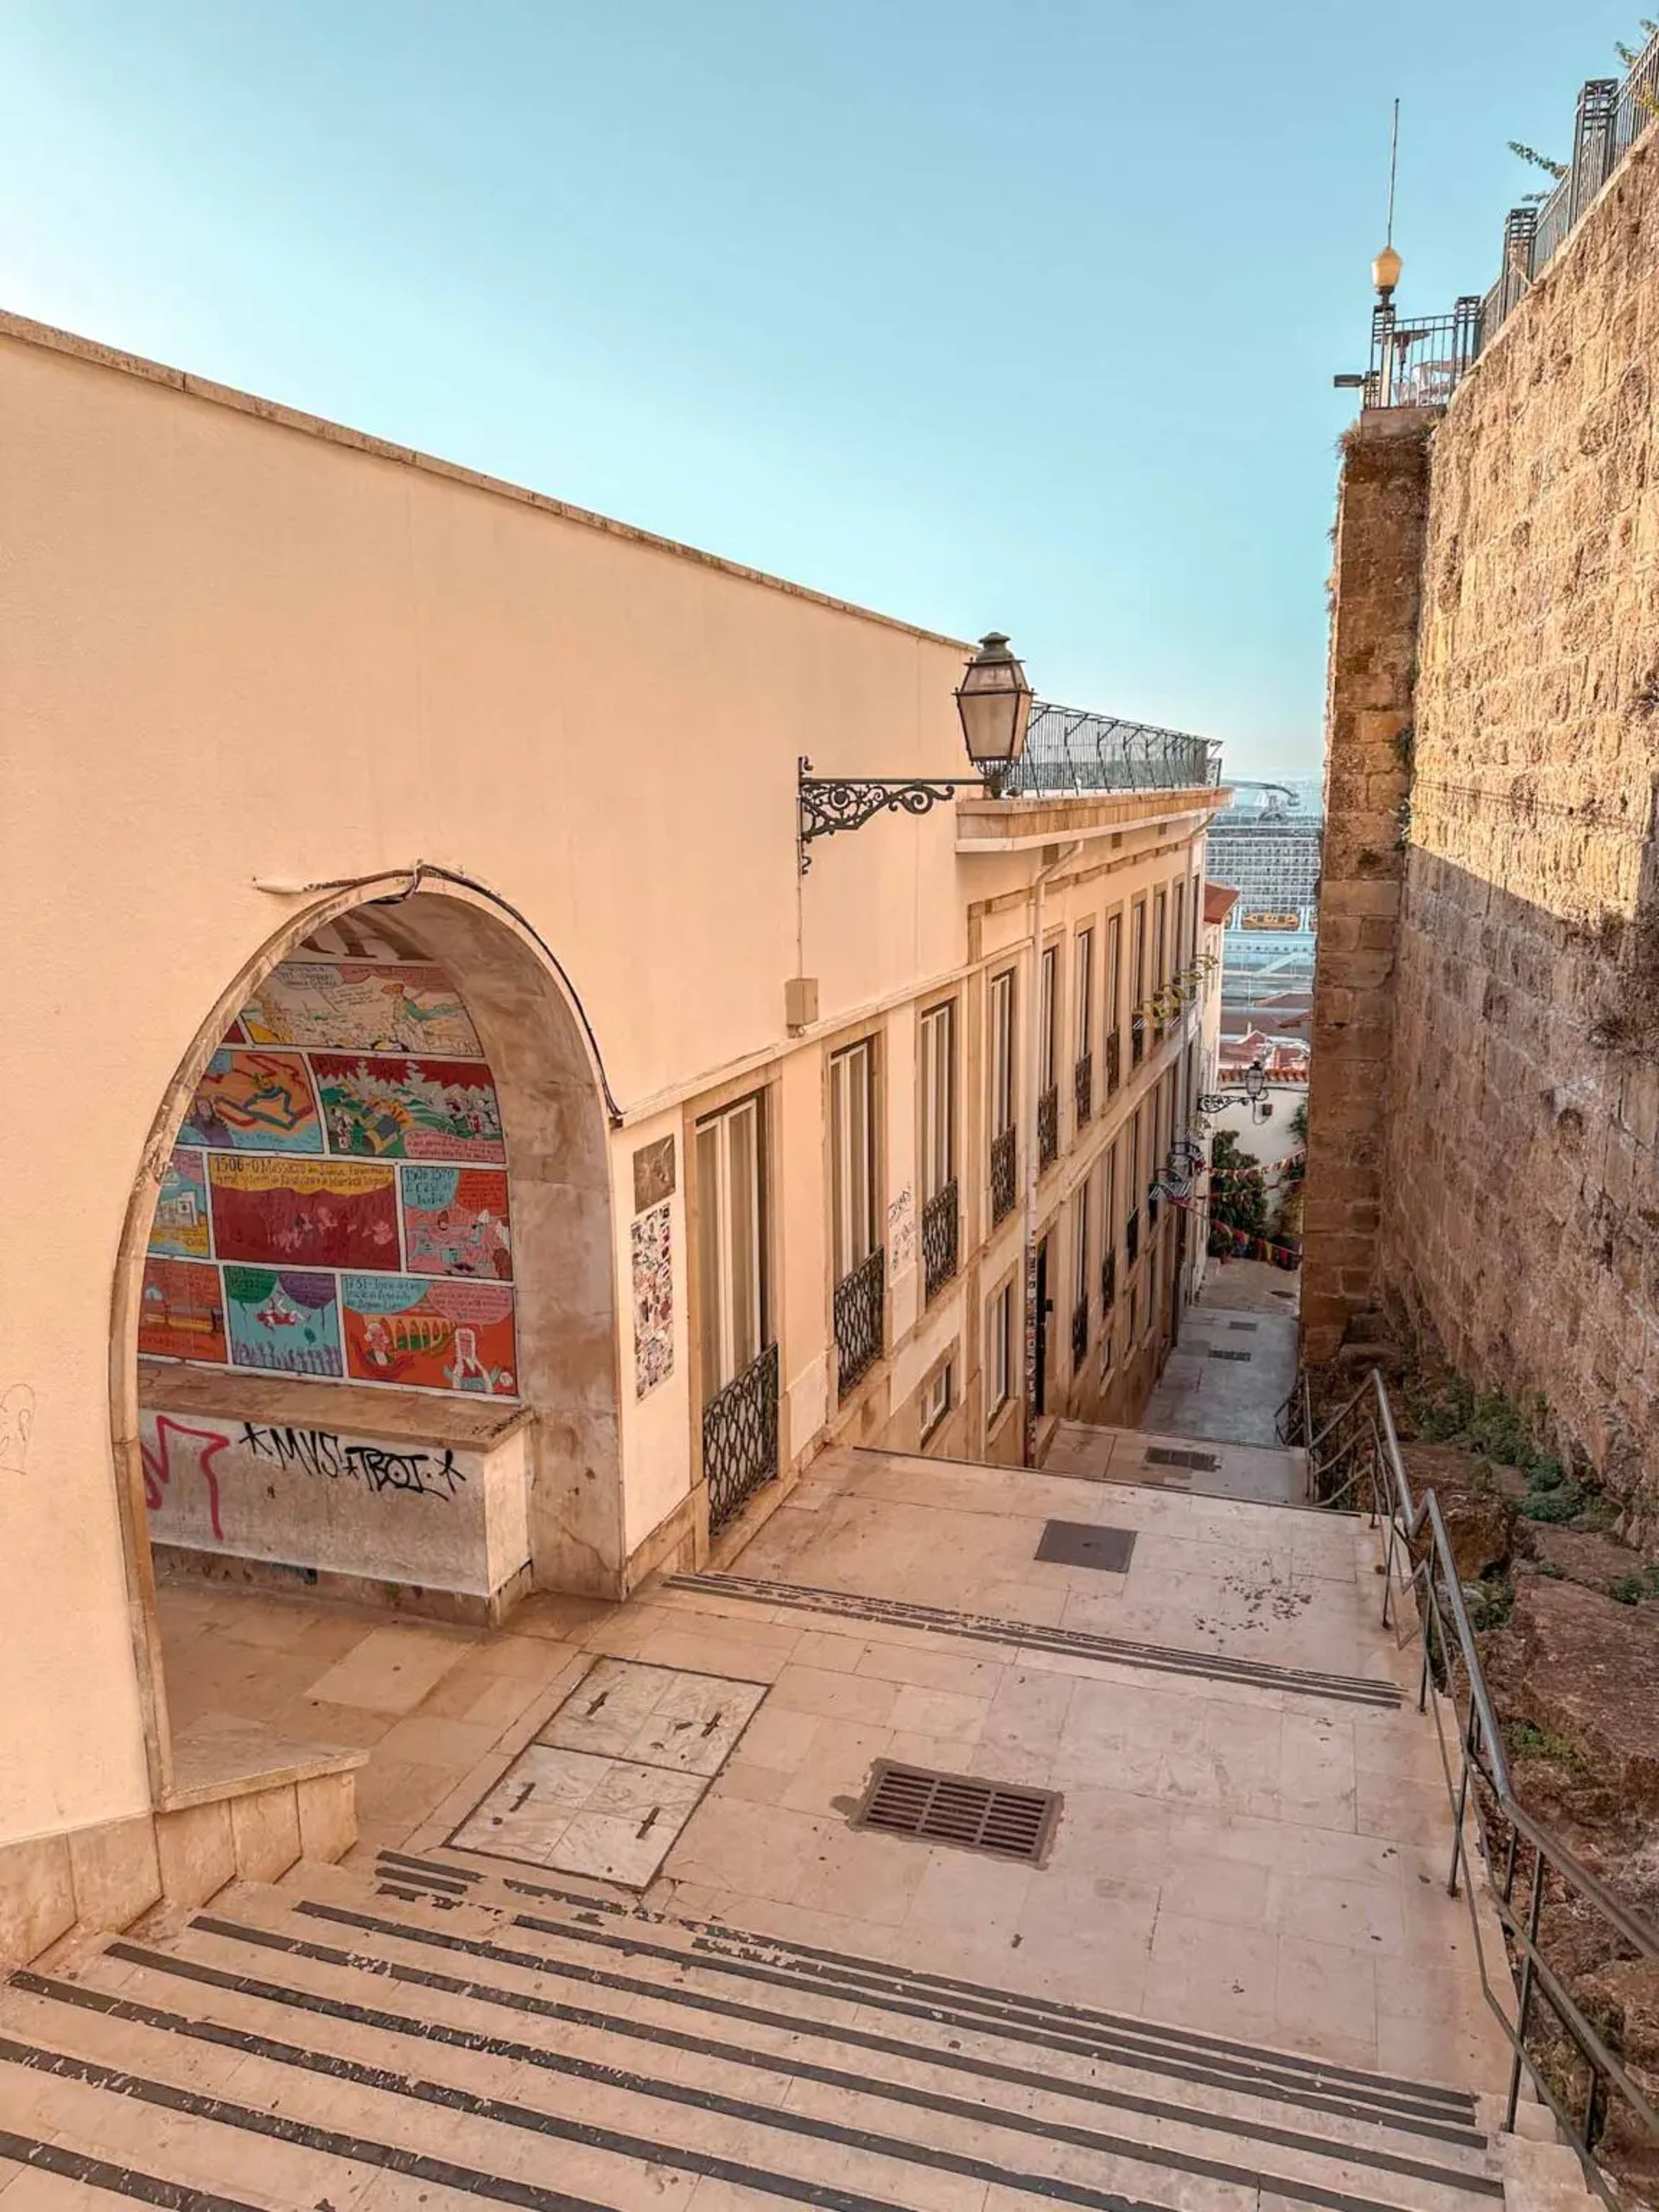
point(365, 1301)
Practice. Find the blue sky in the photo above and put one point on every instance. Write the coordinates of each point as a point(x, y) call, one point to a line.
point(1021, 316)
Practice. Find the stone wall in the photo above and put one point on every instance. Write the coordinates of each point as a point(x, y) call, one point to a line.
point(1519, 1223)
point(1378, 560)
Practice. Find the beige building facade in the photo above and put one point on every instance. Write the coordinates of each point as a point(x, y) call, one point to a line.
point(481, 1158)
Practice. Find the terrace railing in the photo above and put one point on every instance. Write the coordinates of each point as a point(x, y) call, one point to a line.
point(1354, 1462)
point(1071, 752)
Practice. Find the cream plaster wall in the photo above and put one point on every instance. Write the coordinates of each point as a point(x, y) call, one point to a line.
point(240, 649)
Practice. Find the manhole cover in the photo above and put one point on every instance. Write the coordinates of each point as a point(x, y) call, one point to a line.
point(1251, 1325)
point(1164, 1455)
point(1228, 1352)
point(958, 1808)
point(1081, 1543)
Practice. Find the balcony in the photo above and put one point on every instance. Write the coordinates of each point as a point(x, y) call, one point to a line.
point(1082, 1077)
point(860, 1320)
point(1114, 1061)
point(739, 1438)
point(1004, 1175)
point(1153, 1196)
point(1132, 1238)
point(1109, 1282)
point(1048, 1127)
point(1079, 1334)
point(1137, 1039)
point(941, 1239)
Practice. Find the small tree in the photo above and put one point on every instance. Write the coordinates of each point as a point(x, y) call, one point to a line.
point(1238, 1197)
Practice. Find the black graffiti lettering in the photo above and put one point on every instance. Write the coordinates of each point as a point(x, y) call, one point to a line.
point(421, 1473)
point(377, 1467)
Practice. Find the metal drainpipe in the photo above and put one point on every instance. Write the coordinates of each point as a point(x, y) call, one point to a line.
point(1033, 1089)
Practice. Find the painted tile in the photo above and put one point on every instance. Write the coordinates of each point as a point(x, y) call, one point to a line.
point(182, 1229)
point(181, 1312)
point(427, 1333)
point(254, 1101)
point(283, 1322)
point(297, 1213)
point(381, 1107)
point(362, 1006)
point(455, 1222)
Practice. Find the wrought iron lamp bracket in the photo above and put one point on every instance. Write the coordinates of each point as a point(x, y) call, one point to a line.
point(828, 803)
point(1213, 1102)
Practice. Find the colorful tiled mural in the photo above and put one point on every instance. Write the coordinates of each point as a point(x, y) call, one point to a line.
point(337, 1204)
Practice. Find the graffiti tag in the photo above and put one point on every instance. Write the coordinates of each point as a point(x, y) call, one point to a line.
point(318, 1451)
point(206, 1444)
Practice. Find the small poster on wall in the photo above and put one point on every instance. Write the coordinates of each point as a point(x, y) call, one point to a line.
point(181, 1312)
point(180, 1230)
point(455, 1222)
point(286, 1322)
point(425, 1332)
point(323, 1213)
point(653, 1300)
point(409, 1109)
point(254, 1101)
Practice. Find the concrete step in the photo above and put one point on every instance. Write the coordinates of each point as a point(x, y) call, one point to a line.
point(583, 1922)
point(462, 1978)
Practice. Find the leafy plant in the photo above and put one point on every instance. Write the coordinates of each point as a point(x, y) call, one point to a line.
point(1527, 1740)
point(1489, 1602)
point(1635, 1589)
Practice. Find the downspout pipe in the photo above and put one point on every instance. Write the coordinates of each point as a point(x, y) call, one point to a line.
point(1034, 1321)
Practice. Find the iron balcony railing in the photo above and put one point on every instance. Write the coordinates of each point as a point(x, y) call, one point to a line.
point(1108, 1281)
point(1354, 1461)
point(1069, 752)
point(1004, 1162)
point(1155, 1192)
point(739, 1438)
point(1114, 1060)
point(1137, 1038)
point(1083, 1080)
point(1048, 1127)
point(861, 1308)
point(1421, 362)
point(941, 1238)
point(1079, 1332)
point(1132, 1238)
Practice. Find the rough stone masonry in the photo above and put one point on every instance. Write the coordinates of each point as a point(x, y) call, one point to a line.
point(1486, 1076)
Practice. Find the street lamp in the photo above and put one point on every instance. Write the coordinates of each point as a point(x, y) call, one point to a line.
point(1385, 273)
point(1255, 1084)
point(994, 701)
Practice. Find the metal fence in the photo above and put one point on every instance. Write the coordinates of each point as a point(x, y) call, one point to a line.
point(1420, 363)
point(1528, 1875)
point(739, 1438)
point(1070, 751)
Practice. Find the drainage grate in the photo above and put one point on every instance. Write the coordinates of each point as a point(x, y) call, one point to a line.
point(1083, 1543)
point(958, 1808)
point(1162, 1455)
point(1227, 1351)
point(1251, 1325)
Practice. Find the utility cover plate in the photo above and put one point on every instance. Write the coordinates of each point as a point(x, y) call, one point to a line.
point(1082, 1543)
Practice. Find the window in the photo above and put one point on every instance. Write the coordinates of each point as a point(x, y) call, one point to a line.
point(1114, 974)
point(1109, 1185)
point(1195, 910)
point(731, 1255)
point(938, 1081)
point(938, 1396)
point(1138, 952)
point(1135, 1320)
point(1160, 952)
point(1002, 1052)
point(1179, 959)
point(1001, 1359)
point(1080, 1246)
point(852, 1155)
point(1046, 1041)
point(1085, 992)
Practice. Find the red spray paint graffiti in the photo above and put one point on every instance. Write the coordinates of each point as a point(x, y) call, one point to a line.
point(158, 1463)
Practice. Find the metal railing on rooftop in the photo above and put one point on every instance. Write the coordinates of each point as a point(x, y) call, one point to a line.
point(1354, 1461)
point(1069, 752)
point(1420, 363)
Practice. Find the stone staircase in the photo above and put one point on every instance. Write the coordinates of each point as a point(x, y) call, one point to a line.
point(427, 2031)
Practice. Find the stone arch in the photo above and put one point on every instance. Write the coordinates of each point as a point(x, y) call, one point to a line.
point(556, 1115)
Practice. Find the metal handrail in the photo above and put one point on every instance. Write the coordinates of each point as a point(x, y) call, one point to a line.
point(1358, 1448)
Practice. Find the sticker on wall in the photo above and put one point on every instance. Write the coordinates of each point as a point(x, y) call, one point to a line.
point(180, 1230)
point(362, 1006)
point(181, 1312)
point(653, 1174)
point(296, 1213)
point(424, 1333)
point(653, 1300)
point(455, 1222)
point(285, 1322)
point(399, 1109)
point(254, 1101)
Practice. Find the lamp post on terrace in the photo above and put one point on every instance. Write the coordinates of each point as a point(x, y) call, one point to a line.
point(994, 701)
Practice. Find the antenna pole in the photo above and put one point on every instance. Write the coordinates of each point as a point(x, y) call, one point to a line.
point(1394, 163)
